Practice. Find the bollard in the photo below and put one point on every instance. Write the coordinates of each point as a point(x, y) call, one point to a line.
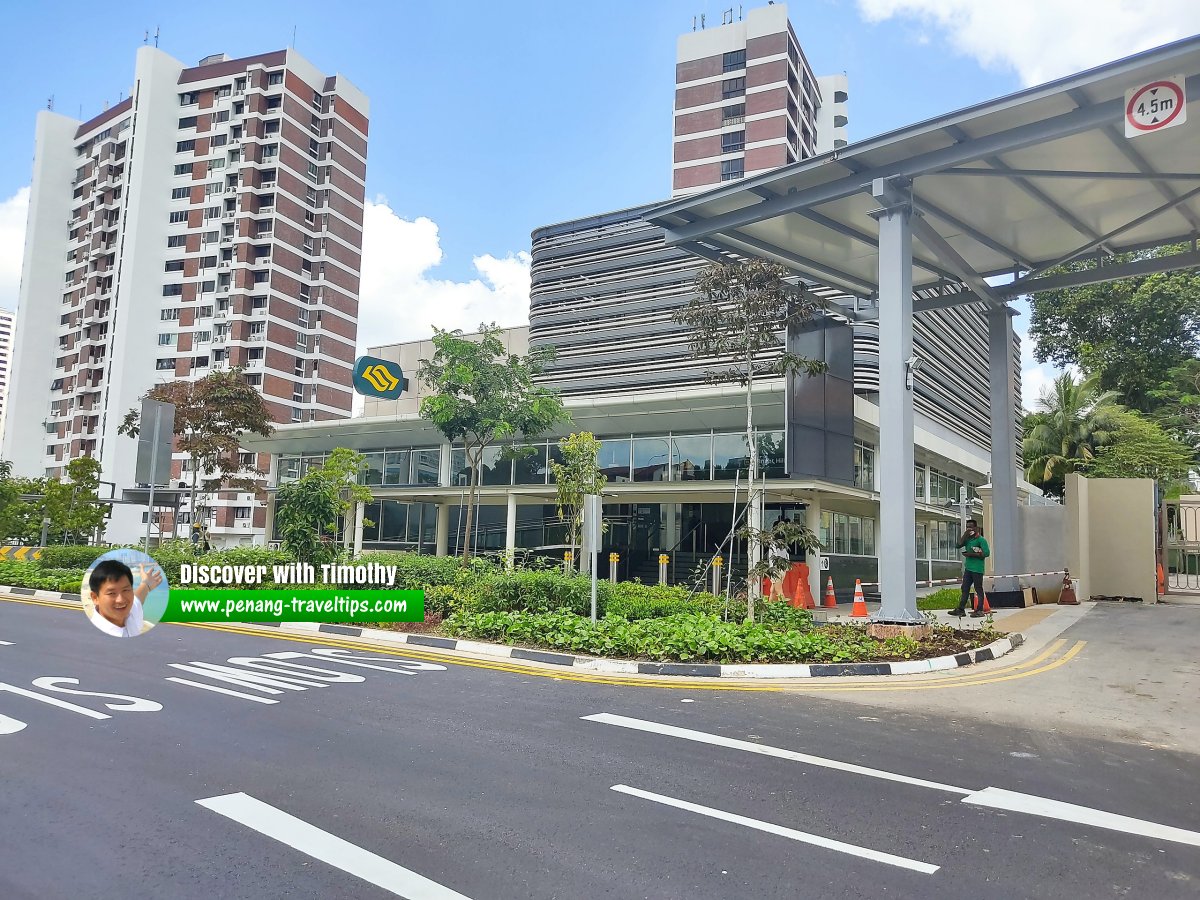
point(663, 560)
point(567, 557)
point(613, 560)
point(717, 563)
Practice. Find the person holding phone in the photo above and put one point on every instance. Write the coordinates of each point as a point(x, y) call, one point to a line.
point(975, 550)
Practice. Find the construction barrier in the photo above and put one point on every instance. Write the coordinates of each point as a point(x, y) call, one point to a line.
point(25, 553)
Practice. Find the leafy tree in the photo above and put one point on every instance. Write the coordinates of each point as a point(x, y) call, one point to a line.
point(1073, 419)
point(575, 477)
point(307, 510)
point(211, 416)
point(1131, 333)
point(10, 502)
point(482, 395)
point(1139, 448)
point(1178, 404)
point(73, 505)
point(739, 319)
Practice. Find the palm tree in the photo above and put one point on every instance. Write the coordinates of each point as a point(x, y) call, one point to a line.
point(1073, 419)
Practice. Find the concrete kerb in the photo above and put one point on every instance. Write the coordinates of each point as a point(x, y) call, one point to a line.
point(595, 665)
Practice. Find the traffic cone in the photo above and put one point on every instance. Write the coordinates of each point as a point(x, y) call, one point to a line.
point(830, 601)
point(859, 611)
point(1067, 597)
point(987, 607)
point(802, 597)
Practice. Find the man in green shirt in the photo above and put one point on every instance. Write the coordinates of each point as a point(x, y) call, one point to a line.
point(975, 550)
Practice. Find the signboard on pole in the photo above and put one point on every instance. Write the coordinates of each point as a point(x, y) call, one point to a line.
point(155, 436)
point(1155, 106)
point(375, 377)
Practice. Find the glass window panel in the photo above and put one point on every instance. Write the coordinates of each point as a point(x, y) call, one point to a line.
point(770, 454)
point(919, 479)
point(690, 457)
point(826, 526)
point(460, 475)
point(372, 472)
point(651, 459)
point(841, 539)
point(921, 549)
point(496, 466)
point(530, 465)
point(426, 466)
point(864, 467)
point(289, 469)
point(393, 523)
point(396, 467)
point(414, 522)
point(868, 532)
point(371, 514)
point(614, 458)
point(855, 529)
point(554, 454)
point(730, 456)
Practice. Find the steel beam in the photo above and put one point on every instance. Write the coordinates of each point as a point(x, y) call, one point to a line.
point(897, 493)
point(1059, 173)
point(1100, 274)
point(929, 236)
point(1005, 539)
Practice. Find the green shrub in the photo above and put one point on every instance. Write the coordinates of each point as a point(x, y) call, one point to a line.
point(72, 557)
point(946, 598)
point(684, 637)
point(414, 571)
point(441, 600)
point(536, 592)
point(15, 573)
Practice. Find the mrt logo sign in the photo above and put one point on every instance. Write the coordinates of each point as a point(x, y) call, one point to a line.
point(374, 377)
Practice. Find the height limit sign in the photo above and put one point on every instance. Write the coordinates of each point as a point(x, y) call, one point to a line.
point(1155, 106)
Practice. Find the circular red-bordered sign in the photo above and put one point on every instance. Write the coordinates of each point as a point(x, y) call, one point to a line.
point(1133, 119)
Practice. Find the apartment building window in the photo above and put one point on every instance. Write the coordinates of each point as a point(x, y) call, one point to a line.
point(298, 370)
point(297, 393)
point(254, 380)
point(223, 91)
point(733, 60)
point(255, 354)
point(205, 312)
point(261, 277)
point(274, 102)
point(173, 265)
point(258, 302)
point(732, 169)
point(241, 512)
point(166, 340)
point(187, 122)
point(183, 169)
point(222, 116)
point(733, 142)
point(733, 115)
point(164, 365)
point(220, 140)
point(180, 193)
point(733, 87)
point(203, 337)
point(297, 416)
point(274, 78)
point(207, 287)
point(200, 362)
point(302, 318)
point(270, 151)
point(208, 262)
point(169, 315)
point(184, 146)
point(172, 290)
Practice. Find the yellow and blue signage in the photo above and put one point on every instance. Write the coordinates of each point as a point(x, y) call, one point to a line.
point(374, 377)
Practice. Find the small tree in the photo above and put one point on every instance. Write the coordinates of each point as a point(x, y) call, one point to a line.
point(211, 415)
point(774, 548)
point(307, 510)
point(740, 318)
point(1141, 449)
point(73, 505)
point(482, 395)
point(575, 477)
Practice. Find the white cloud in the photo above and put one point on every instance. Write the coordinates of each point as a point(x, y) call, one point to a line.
point(13, 213)
point(1044, 39)
point(401, 300)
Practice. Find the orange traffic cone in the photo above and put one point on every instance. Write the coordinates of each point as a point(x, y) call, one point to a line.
point(1067, 597)
point(859, 611)
point(802, 597)
point(830, 601)
point(987, 607)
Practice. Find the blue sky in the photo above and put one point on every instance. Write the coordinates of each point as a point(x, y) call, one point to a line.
point(489, 119)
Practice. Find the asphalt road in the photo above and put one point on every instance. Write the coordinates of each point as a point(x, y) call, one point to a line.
point(433, 777)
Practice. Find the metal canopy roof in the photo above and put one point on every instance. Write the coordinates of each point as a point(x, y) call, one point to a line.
point(1014, 186)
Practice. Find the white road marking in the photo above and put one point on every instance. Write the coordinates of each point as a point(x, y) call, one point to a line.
point(221, 690)
point(5, 643)
point(767, 750)
point(998, 798)
point(801, 836)
point(308, 839)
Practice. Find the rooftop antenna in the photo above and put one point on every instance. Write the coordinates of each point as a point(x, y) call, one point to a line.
point(693, 23)
point(701, 21)
point(727, 16)
point(50, 103)
point(293, 37)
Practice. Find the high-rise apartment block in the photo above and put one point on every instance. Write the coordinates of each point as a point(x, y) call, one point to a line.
point(211, 220)
point(746, 102)
point(8, 323)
